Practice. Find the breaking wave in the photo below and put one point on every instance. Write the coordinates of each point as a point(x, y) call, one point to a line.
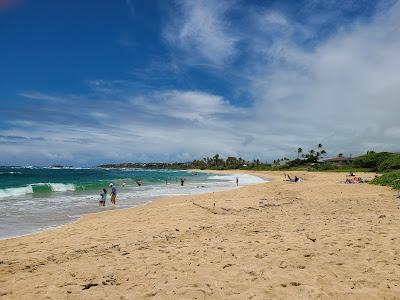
point(36, 188)
point(10, 173)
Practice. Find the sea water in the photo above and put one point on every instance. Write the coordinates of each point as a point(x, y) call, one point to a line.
point(37, 198)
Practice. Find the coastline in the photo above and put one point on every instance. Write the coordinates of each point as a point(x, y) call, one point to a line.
point(270, 240)
point(128, 200)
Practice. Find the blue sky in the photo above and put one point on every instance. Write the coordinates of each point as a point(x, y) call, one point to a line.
point(84, 82)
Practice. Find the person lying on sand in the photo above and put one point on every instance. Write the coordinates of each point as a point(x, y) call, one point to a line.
point(356, 180)
point(295, 179)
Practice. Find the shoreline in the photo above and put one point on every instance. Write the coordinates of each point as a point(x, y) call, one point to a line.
point(110, 208)
point(315, 239)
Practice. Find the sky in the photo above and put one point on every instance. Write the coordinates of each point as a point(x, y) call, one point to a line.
point(87, 82)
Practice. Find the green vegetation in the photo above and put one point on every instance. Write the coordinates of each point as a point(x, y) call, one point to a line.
point(378, 161)
point(391, 163)
point(218, 163)
point(388, 179)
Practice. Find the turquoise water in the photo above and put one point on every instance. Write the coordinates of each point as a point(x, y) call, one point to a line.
point(15, 182)
point(32, 199)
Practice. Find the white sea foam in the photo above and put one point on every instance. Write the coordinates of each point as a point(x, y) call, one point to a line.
point(16, 192)
point(57, 187)
point(61, 187)
point(243, 178)
point(10, 173)
point(29, 189)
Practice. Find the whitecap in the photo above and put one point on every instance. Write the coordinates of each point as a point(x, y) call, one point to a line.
point(16, 192)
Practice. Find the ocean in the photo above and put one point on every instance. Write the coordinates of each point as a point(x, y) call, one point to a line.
point(37, 198)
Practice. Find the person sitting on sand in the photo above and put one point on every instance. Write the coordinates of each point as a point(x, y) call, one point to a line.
point(103, 199)
point(113, 193)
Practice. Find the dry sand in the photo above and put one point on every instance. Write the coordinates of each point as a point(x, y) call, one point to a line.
point(315, 239)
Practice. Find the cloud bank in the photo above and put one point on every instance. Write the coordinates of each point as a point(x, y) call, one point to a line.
point(340, 89)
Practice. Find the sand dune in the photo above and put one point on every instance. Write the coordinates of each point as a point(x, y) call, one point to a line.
point(316, 239)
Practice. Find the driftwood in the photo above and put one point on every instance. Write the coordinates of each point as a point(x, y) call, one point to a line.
point(89, 285)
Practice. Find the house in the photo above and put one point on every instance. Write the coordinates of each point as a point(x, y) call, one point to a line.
point(339, 161)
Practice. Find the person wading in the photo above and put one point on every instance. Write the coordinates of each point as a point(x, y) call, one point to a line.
point(113, 193)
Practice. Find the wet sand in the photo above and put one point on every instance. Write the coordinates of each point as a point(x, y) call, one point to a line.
point(318, 239)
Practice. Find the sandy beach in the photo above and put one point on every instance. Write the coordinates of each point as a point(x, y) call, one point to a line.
point(318, 239)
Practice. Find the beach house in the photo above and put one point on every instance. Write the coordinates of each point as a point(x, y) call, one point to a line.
point(339, 161)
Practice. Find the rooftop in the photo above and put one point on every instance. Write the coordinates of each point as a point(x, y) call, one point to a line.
point(338, 159)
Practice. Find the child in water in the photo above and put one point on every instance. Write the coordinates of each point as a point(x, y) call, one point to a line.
point(103, 199)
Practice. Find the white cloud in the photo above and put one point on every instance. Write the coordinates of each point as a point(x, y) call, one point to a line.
point(164, 125)
point(201, 31)
point(41, 96)
point(184, 105)
point(343, 91)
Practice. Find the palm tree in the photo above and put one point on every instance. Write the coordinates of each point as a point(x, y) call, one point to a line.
point(340, 155)
point(299, 151)
point(216, 159)
point(323, 152)
point(312, 152)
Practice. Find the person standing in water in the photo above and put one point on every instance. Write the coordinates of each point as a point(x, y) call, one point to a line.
point(113, 193)
point(237, 181)
point(103, 198)
point(182, 181)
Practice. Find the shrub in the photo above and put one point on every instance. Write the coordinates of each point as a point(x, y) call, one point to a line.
point(389, 179)
point(391, 163)
point(371, 160)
